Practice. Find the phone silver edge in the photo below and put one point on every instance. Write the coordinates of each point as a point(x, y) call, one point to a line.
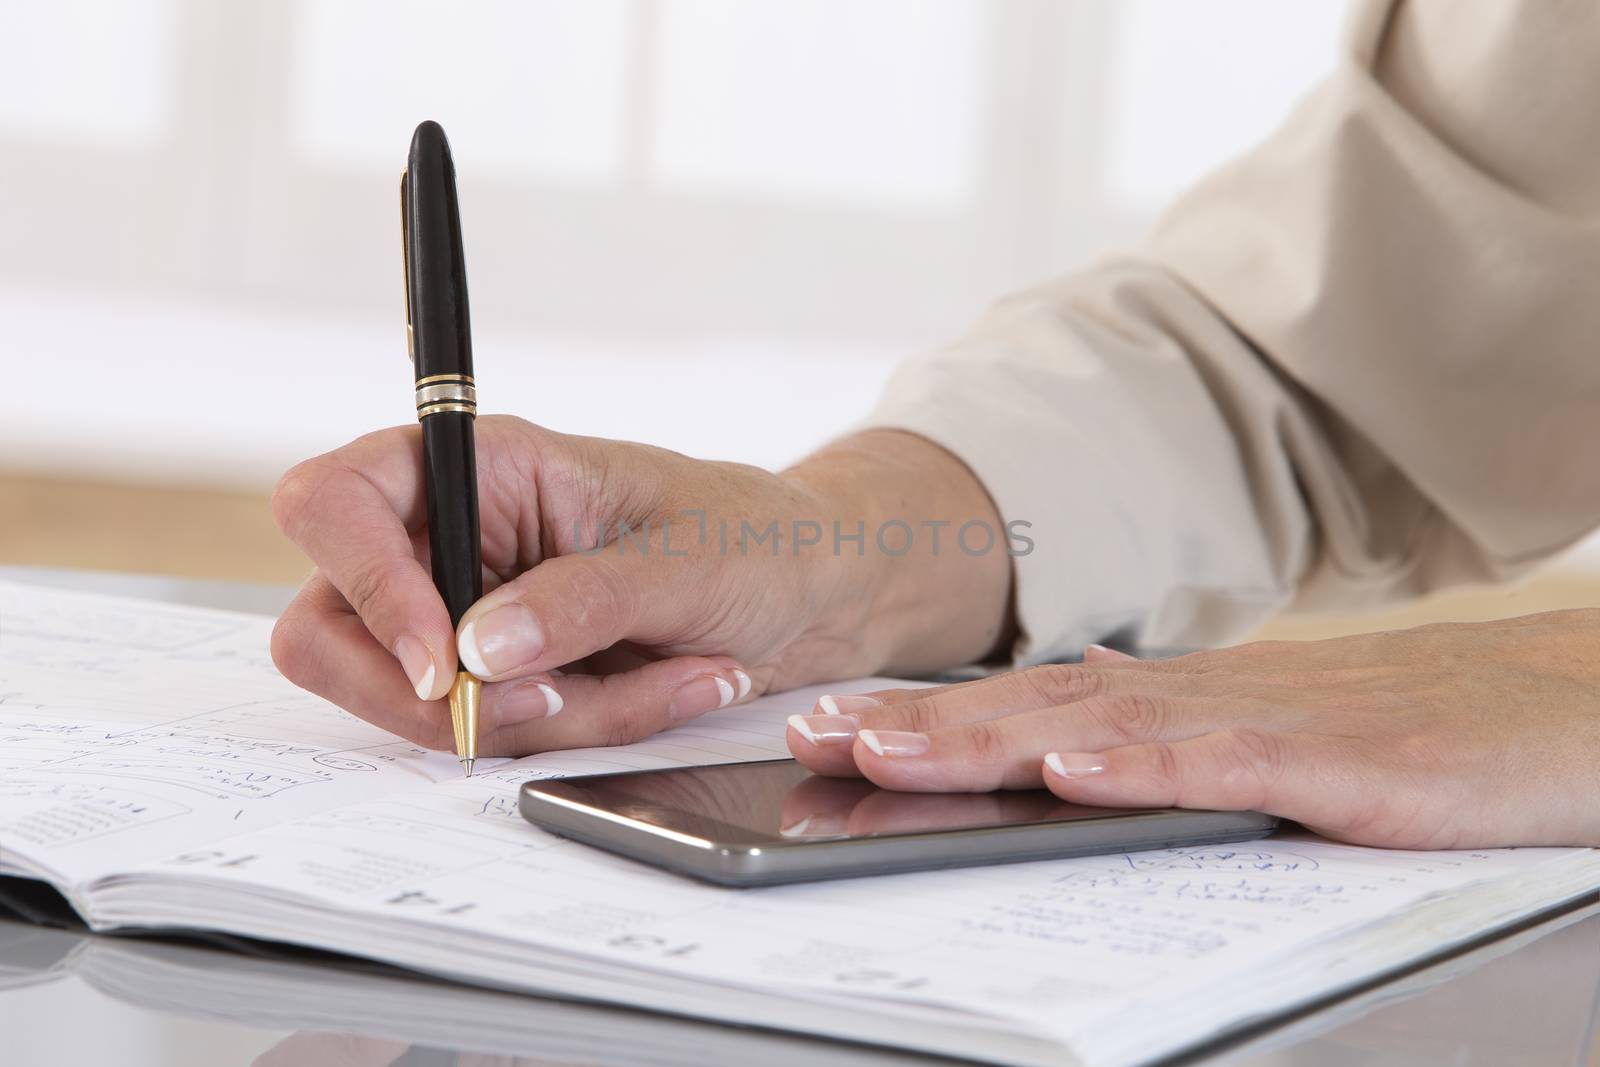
point(781, 862)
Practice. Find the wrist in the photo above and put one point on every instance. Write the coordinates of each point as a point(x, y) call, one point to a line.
point(914, 573)
point(838, 583)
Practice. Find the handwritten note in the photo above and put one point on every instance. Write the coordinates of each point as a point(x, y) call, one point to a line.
point(130, 730)
point(145, 750)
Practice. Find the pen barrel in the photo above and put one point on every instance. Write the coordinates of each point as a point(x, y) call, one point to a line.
point(450, 473)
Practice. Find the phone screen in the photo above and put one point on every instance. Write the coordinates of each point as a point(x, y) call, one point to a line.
point(751, 802)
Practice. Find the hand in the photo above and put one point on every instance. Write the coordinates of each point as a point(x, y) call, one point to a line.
point(1454, 736)
point(668, 619)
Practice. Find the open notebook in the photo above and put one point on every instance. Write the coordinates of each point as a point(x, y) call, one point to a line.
point(159, 773)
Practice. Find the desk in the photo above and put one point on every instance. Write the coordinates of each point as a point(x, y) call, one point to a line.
point(71, 998)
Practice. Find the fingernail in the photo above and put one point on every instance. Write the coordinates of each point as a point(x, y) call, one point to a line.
point(826, 729)
point(1075, 764)
point(1103, 652)
point(502, 640)
point(700, 696)
point(894, 743)
point(844, 705)
point(744, 683)
point(528, 700)
point(417, 662)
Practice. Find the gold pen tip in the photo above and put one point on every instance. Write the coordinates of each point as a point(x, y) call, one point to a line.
point(464, 719)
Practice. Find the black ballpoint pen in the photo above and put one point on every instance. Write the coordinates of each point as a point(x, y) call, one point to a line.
point(439, 340)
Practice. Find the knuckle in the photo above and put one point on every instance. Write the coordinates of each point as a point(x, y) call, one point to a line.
point(293, 646)
point(624, 717)
point(598, 592)
point(1132, 718)
point(896, 697)
point(292, 497)
point(987, 742)
point(626, 724)
point(1060, 683)
point(1164, 765)
point(1196, 663)
point(369, 588)
point(916, 715)
point(1225, 661)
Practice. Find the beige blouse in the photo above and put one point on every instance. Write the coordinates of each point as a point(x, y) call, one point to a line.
point(1359, 363)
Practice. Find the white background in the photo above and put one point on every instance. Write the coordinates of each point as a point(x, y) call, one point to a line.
point(708, 224)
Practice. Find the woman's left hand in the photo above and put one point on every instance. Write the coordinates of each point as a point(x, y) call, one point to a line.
point(1449, 736)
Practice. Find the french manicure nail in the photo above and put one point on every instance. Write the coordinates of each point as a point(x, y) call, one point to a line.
point(1075, 764)
point(894, 743)
point(528, 700)
point(417, 662)
point(744, 683)
point(700, 696)
point(826, 729)
point(501, 640)
point(845, 705)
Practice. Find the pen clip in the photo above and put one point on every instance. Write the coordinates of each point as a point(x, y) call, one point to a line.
point(405, 264)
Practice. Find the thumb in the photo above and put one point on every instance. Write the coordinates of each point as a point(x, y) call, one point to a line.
point(562, 610)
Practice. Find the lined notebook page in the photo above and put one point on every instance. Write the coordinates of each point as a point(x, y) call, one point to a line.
point(466, 887)
point(130, 731)
point(158, 745)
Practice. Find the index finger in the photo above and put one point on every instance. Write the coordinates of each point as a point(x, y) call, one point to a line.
point(351, 511)
point(322, 646)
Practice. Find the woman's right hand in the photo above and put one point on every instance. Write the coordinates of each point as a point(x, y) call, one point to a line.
point(680, 610)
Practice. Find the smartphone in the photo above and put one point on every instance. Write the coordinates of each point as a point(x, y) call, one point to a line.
point(771, 822)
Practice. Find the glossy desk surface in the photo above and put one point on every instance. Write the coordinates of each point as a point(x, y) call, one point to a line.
point(67, 997)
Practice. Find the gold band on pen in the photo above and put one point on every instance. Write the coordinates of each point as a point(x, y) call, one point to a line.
point(446, 392)
point(433, 394)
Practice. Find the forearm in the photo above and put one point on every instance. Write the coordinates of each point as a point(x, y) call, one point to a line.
point(928, 584)
point(1313, 386)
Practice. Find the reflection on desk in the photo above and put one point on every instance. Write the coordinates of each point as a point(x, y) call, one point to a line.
point(352, 1013)
point(1532, 1000)
point(1524, 1003)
